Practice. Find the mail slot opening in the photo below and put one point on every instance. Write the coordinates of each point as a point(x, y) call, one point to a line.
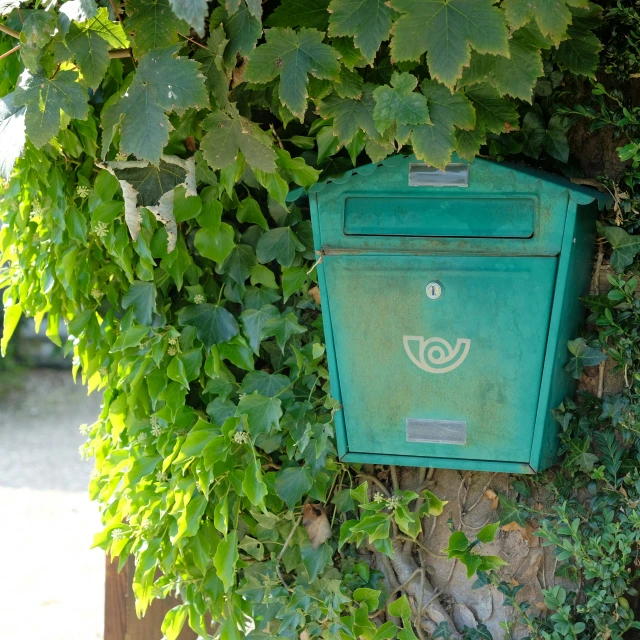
point(440, 216)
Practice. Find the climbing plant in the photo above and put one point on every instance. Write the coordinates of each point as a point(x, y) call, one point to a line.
point(148, 150)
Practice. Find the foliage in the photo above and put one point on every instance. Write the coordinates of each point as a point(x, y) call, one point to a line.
point(148, 152)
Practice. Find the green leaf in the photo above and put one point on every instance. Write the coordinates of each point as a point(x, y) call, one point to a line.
point(174, 621)
point(142, 297)
point(242, 29)
point(254, 487)
point(253, 322)
point(400, 608)
point(225, 559)
point(579, 455)
point(551, 16)
point(447, 30)
point(45, 98)
point(153, 25)
point(625, 247)
point(249, 211)
point(399, 103)
point(282, 329)
point(190, 518)
point(488, 532)
point(584, 356)
point(493, 113)
point(292, 483)
point(293, 279)
point(579, 52)
point(300, 13)
point(458, 544)
point(212, 64)
point(161, 83)
point(151, 182)
point(111, 32)
point(315, 560)
point(192, 12)
point(262, 413)
point(12, 315)
point(350, 115)
point(371, 597)
point(213, 323)
point(215, 245)
point(435, 143)
point(91, 52)
point(278, 244)
point(227, 137)
point(432, 506)
point(368, 21)
point(293, 56)
point(12, 134)
point(511, 512)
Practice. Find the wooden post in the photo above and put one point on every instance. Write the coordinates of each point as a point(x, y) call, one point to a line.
point(120, 620)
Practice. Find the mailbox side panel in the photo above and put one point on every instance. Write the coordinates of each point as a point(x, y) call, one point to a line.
point(334, 380)
point(574, 277)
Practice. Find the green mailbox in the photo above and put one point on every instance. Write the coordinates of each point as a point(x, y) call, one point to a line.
point(448, 299)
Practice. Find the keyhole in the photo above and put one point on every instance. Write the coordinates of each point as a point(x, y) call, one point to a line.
point(433, 290)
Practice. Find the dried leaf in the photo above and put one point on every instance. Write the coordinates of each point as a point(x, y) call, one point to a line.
point(315, 521)
point(491, 495)
point(526, 532)
point(314, 292)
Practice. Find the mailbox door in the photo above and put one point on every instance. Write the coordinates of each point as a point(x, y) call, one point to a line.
point(440, 356)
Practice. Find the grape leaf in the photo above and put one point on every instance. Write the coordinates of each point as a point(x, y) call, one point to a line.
point(312, 14)
point(79, 10)
point(11, 133)
point(193, 12)
point(91, 52)
point(435, 143)
point(161, 83)
point(368, 21)
point(227, 136)
point(493, 113)
point(112, 32)
point(293, 56)
point(36, 33)
point(350, 116)
point(399, 103)
point(151, 24)
point(45, 98)
point(468, 143)
point(552, 16)
point(213, 323)
point(242, 28)
point(212, 65)
point(447, 30)
point(150, 181)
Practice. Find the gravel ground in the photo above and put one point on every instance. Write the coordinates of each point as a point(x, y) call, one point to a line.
point(52, 585)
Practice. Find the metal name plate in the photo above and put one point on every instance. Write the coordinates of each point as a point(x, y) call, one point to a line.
point(455, 174)
point(437, 431)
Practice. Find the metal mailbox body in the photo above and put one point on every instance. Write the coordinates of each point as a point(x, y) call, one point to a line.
point(448, 299)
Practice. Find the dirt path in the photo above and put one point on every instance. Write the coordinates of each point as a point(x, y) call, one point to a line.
point(52, 585)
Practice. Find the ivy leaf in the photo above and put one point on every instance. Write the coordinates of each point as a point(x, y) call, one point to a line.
point(493, 113)
point(213, 323)
point(161, 83)
point(12, 134)
point(293, 279)
point(300, 13)
point(142, 297)
point(292, 483)
point(228, 136)
point(215, 245)
point(625, 246)
point(447, 30)
point(579, 455)
point(152, 25)
point(45, 98)
point(91, 53)
point(225, 559)
point(278, 244)
point(253, 322)
point(488, 532)
point(253, 484)
point(368, 21)
point(350, 115)
point(584, 356)
point(399, 103)
point(511, 512)
point(293, 56)
point(189, 520)
point(192, 12)
point(551, 16)
point(282, 329)
point(435, 143)
point(262, 413)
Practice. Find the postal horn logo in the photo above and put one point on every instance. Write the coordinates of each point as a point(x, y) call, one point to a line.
point(436, 355)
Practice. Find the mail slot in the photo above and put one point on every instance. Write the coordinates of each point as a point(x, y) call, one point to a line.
point(448, 301)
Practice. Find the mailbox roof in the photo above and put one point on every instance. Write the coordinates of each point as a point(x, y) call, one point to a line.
point(543, 180)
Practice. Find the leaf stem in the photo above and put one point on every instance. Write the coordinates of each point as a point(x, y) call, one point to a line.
point(9, 31)
point(8, 53)
point(287, 542)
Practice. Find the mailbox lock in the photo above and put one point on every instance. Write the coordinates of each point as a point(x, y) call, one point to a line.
point(434, 290)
